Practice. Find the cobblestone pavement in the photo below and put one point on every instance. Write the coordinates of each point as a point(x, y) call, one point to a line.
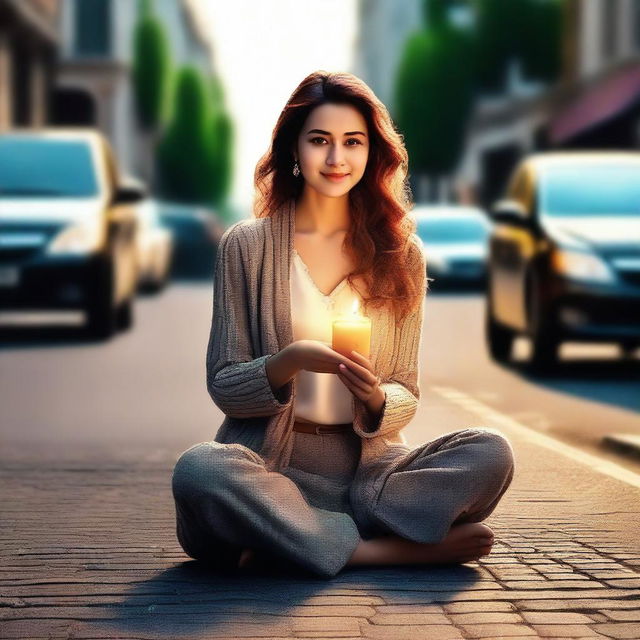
point(89, 551)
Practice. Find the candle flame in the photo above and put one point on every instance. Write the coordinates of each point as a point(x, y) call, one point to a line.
point(355, 307)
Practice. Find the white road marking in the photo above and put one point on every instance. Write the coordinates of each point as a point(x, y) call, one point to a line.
point(492, 417)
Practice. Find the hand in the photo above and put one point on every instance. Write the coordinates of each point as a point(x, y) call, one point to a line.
point(314, 355)
point(358, 376)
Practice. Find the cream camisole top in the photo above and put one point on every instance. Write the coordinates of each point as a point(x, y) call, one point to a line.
point(320, 397)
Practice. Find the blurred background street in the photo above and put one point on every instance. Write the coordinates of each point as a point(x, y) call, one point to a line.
point(72, 398)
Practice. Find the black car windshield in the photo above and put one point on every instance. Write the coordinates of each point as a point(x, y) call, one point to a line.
point(454, 230)
point(591, 190)
point(44, 168)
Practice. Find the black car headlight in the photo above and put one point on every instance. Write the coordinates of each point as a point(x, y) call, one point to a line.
point(580, 265)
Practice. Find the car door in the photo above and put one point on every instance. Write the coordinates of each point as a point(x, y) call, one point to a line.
point(511, 249)
point(122, 226)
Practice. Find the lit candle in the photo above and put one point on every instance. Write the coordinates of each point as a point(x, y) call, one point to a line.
point(352, 333)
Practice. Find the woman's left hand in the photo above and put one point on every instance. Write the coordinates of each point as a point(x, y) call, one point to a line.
point(360, 378)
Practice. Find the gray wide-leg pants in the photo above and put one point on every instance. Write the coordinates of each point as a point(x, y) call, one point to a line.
point(314, 513)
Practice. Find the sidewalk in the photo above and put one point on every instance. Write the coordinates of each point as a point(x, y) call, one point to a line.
point(89, 551)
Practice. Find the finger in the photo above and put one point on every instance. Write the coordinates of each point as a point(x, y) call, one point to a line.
point(360, 359)
point(356, 391)
point(362, 384)
point(364, 372)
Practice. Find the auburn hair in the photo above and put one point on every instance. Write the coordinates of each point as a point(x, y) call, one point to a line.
point(379, 237)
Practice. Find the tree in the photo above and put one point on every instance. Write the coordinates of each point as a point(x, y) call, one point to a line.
point(186, 154)
point(434, 93)
point(151, 67)
point(541, 40)
point(529, 31)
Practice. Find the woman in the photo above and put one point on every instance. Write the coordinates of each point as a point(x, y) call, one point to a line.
point(309, 466)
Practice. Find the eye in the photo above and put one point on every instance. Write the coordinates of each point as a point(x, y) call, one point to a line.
point(349, 140)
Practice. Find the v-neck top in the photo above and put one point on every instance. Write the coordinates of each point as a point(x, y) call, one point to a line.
point(251, 323)
point(320, 397)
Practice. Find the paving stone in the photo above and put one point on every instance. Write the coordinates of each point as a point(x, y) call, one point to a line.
point(559, 617)
point(630, 583)
point(629, 630)
point(470, 607)
point(497, 630)
point(410, 608)
point(412, 632)
point(621, 573)
point(325, 624)
point(409, 618)
point(556, 631)
point(556, 584)
point(326, 611)
point(483, 617)
point(510, 595)
point(633, 614)
point(576, 603)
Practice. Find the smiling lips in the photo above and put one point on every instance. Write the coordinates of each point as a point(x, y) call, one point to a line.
point(335, 176)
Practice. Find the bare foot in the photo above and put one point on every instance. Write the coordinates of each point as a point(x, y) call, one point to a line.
point(463, 543)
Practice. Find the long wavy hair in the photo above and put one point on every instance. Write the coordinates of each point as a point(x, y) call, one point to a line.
point(379, 235)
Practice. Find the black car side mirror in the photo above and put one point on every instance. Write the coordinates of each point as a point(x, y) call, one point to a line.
point(128, 195)
point(510, 212)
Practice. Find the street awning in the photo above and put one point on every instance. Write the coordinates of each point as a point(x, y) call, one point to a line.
point(598, 104)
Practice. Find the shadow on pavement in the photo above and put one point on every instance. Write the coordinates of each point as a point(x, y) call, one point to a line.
point(44, 336)
point(265, 601)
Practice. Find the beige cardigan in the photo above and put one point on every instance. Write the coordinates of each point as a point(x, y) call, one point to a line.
point(252, 321)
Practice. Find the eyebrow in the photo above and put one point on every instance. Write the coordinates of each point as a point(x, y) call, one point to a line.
point(327, 133)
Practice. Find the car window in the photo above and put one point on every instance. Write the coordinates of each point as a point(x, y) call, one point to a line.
point(45, 168)
point(442, 230)
point(591, 190)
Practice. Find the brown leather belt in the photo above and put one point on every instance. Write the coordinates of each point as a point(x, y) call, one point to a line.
point(319, 429)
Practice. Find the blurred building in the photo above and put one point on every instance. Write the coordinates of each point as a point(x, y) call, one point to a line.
point(94, 75)
point(384, 25)
point(594, 104)
point(28, 45)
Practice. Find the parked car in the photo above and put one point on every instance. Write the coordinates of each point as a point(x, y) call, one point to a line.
point(455, 239)
point(66, 227)
point(196, 232)
point(564, 258)
point(154, 246)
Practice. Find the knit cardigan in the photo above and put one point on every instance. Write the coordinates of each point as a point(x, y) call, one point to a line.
point(251, 322)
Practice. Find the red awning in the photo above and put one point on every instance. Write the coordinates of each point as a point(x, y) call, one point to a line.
point(597, 105)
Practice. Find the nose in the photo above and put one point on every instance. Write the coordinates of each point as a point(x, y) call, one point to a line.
point(335, 159)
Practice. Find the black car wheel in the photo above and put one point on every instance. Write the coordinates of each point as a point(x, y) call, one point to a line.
point(101, 314)
point(124, 315)
point(499, 338)
point(545, 343)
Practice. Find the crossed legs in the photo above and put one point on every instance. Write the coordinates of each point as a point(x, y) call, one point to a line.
point(428, 510)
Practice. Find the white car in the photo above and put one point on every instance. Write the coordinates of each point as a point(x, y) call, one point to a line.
point(154, 247)
point(455, 240)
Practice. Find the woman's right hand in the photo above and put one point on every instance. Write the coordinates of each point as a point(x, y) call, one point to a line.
point(314, 355)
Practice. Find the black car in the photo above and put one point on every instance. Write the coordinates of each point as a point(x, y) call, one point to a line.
point(564, 255)
point(67, 231)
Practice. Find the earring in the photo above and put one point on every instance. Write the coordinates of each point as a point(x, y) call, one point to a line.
point(296, 169)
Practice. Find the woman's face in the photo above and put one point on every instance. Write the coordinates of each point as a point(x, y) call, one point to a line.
point(333, 139)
